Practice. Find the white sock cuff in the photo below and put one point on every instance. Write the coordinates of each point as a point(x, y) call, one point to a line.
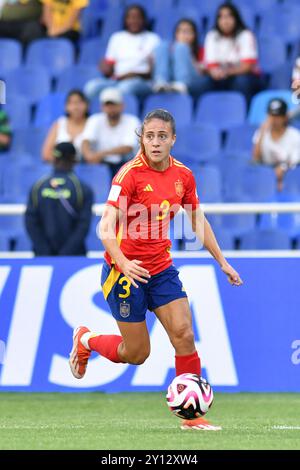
point(85, 339)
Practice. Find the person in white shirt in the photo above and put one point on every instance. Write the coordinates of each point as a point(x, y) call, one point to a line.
point(276, 143)
point(68, 128)
point(110, 137)
point(128, 59)
point(230, 54)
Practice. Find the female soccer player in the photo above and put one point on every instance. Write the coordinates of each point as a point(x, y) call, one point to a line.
point(138, 273)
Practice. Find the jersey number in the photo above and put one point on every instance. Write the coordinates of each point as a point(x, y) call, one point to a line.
point(125, 283)
point(165, 206)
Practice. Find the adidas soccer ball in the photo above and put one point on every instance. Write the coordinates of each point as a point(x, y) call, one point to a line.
point(189, 396)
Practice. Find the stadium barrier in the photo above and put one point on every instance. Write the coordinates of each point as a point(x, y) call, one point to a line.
point(248, 337)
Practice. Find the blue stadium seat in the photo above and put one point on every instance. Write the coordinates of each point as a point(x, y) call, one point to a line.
point(298, 243)
point(32, 82)
point(4, 239)
point(225, 238)
point(23, 242)
point(289, 222)
point(291, 182)
point(281, 77)
point(180, 106)
point(97, 177)
point(11, 226)
point(93, 242)
point(11, 54)
point(112, 22)
point(53, 54)
point(91, 20)
point(258, 107)
point(259, 183)
point(209, 183)
point(75, 77)
point(240, 139)
point(131, 105)
point(272, 52)
point(51, 107)
point(238, 224)
point(29, 140)
point(18, 109)
point(196, 143)
point(265, 240)
point(233, 167)
point(282, 20)
point(20, 178)
point(258, 6)
point(92, 51)
point(213, 109)
point(165, 24)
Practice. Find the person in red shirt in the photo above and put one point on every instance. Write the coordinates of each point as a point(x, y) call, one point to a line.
point(138, 273)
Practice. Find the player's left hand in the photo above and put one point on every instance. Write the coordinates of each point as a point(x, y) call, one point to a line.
point(232, 276)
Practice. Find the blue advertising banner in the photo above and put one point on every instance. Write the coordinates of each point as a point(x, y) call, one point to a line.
point(248, 337)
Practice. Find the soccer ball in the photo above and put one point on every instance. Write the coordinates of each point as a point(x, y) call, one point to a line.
point(189, 396)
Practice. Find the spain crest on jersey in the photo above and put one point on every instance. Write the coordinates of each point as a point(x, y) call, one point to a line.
point(179, 188)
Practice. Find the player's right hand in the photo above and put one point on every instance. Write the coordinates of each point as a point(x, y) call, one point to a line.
point(133, 271)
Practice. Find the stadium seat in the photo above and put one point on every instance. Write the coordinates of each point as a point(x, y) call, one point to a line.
point(209, 185)
point(18, 109)
point(291, 182)
point(265, 240)
point(180, 106)
point(75, 77)
point(23, 242)
point(11, 226)
point(282, 20)
point(272, 53)
point(11, 54)
point(258, 6)
point(53, 54)
point(225, 238)
point(196, 143)
point(240, 139)
point(20, 178)
point(281, 77)
point(4, 240)
point(93, 242)
point(112, 22)
point(258, 107)
point(131, 105)
point(92, 51)
point(164, 25)
point(32, 82)
point(259, 183)
point(91, 19)
point(29, 140)
point(232, 167)
point(50, 108)
point(97, 177)
point(287, 222)
point(213, 109)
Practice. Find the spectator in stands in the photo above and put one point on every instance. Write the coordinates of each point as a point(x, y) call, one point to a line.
point(128, 59)
point(68, 128)
point(58, 213)
point(276, 143)
point(230, 54)
point(62, 18)
point(179, 66)
point(110, 136)
point(21, 20)
point(5, 132)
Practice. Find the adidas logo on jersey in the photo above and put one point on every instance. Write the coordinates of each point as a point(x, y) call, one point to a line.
point(148, 188)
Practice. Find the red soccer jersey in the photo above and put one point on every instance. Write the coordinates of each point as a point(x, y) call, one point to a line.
point(149, 199)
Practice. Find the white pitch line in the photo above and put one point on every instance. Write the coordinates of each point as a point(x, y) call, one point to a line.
point(292, 428)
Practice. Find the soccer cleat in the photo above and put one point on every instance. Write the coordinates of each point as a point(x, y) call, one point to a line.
point(199, 424)
point(79, 355)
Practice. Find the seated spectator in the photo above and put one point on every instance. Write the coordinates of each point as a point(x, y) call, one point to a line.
point(110, 137)
point(128, 59)
point(230, 54)
point(58, 213)
point(5, 132)
point(276, 143)
point(61, 18)
point(21, 20)
point(68, 128)
point(179, 66)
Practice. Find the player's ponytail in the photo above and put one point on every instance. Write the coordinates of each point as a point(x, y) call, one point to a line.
point(161, 114)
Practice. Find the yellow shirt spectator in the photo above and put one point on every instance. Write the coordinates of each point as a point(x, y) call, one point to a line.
point(62, 15)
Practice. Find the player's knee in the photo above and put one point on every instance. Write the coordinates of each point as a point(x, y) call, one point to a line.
point(183, 336)
point(139, 357)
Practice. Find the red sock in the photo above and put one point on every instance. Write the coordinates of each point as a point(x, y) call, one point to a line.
point(106, 346)
point(188, 364)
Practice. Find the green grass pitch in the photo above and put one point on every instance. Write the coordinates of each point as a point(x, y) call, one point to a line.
point(143, 421)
